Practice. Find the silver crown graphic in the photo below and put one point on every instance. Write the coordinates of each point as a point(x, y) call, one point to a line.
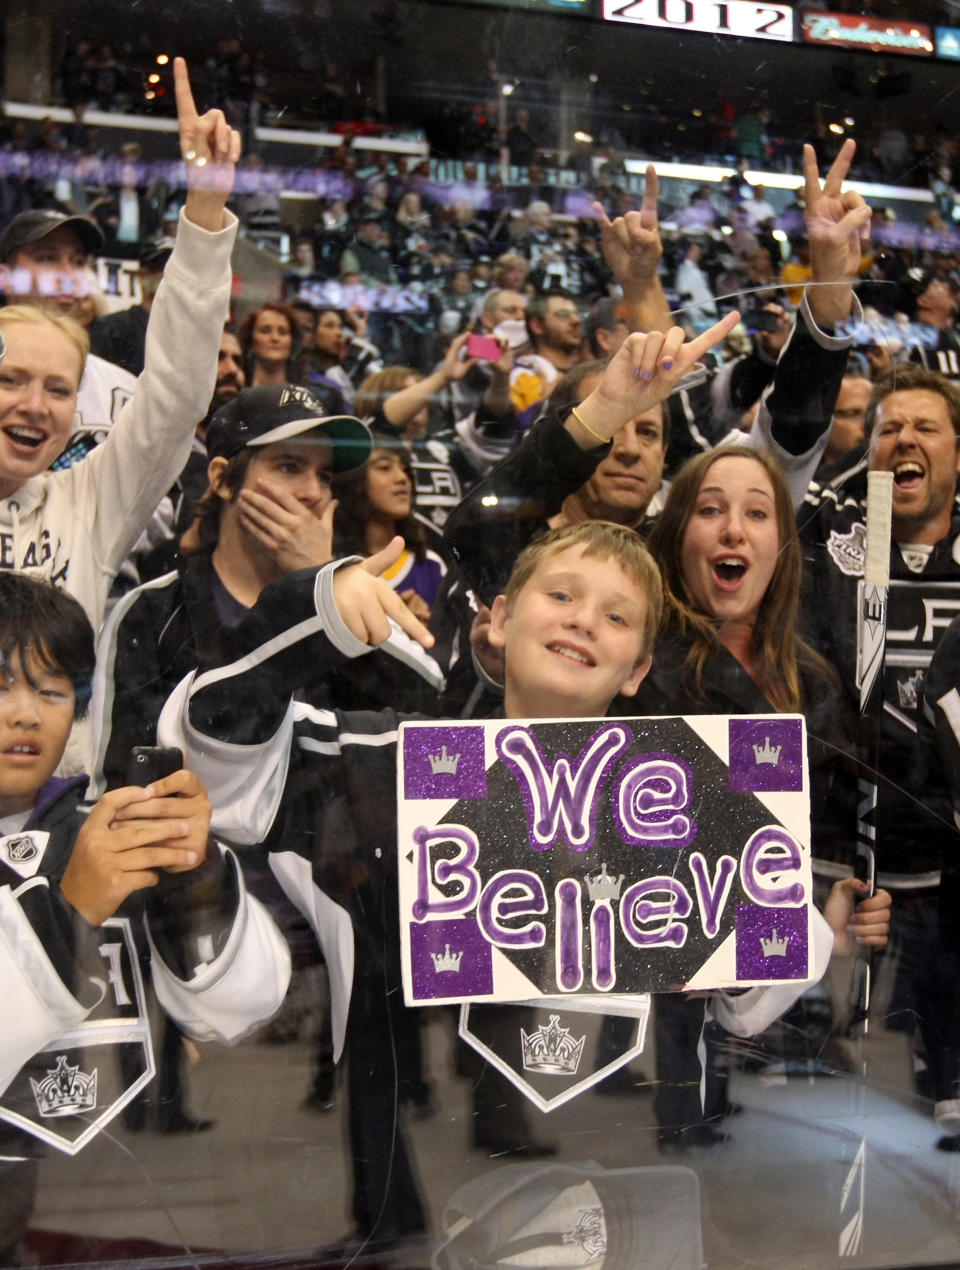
point(551, 1050)
point(767, 753)
point(590, 1232)
point(444, 762)
point(774, 947)
point(65, 1091)
point(446, 962)
point(601, 886)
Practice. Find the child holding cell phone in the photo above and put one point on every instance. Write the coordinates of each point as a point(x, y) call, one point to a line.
point(76, 879)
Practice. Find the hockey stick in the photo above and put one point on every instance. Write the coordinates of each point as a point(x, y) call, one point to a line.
point(871, 636)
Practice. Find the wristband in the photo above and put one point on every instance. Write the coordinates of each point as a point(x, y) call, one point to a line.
point(586, 427)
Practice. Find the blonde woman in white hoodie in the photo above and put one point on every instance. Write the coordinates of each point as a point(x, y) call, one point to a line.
point(74, 527)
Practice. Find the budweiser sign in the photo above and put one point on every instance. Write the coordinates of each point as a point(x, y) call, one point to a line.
point(877, 35)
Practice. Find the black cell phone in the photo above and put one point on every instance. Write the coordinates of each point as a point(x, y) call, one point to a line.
point(80, 445)
point(763, 321)
point(149, 763)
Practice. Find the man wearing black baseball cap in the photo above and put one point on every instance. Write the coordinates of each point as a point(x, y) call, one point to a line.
point(121, 337)
point(267, 511)
point(39, 244)
point(44, 257)
point(930, 302)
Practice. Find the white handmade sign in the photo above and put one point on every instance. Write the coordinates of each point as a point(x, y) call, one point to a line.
point(602, 857)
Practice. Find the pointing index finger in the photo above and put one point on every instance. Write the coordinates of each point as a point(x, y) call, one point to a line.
point(186, 107)
point(703, 343)
point(651, 190)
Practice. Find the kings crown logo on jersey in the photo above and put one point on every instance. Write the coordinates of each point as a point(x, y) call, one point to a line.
point(66, 1090)
point(849, 551)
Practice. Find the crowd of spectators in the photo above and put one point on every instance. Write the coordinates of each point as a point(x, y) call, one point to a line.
point(468, 324)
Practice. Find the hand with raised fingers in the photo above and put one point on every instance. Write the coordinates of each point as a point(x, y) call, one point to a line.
point(643, 373)
point(838, 221)
point(852, 922)
point(367, 603)
point(211, 152)
point(357, 320)
point(504, 363)
point(292, 532)
point(631, 243)
point(179, 799)
point(125, 840)
point(454, 367)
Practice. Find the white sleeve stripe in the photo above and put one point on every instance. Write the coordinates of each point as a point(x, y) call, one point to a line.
point(822, 338)
point(406, 650)
point(104, 684)
point(29, 884)
point(338, 633)
point(311, 714)
point(377, 740)
point(949, 703)
point(318, 747)
point(293, 635)
point(372, 740)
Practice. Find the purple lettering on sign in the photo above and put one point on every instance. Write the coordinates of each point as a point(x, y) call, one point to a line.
point(601, 942)
point(444, 763)
point(769, 854)
point(638, 907)
point(496, 906)
point(558, 794)
point(711, 898)
point(766, 755)
point(450, 959)
point(649, 799)
point(459, 870)
point(771, 942)
point(569, 937)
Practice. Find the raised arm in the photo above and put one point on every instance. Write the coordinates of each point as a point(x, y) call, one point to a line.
point(235, 720)
point(499, 516)
point(400, 407)
point(838, 221)
point(794, 419)
point(124, 479)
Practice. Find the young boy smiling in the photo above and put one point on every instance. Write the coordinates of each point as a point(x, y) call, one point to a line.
point(314, 788)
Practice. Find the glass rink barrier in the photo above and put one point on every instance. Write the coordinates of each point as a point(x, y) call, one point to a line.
point(615, 922)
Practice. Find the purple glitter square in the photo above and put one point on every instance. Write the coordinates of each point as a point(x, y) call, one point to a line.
point(450, 959)
point(771, 942)
point(444, 763)
point(766, 755)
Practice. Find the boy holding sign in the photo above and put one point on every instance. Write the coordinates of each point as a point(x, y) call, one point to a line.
point(315, 788)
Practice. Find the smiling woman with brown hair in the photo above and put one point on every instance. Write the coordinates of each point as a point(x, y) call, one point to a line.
point(726, 541)
point(270, 340)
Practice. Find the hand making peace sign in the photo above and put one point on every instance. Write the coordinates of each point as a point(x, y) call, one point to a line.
point(837, 220)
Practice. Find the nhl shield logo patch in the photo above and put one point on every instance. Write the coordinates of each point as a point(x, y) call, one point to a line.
point(24, 851)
